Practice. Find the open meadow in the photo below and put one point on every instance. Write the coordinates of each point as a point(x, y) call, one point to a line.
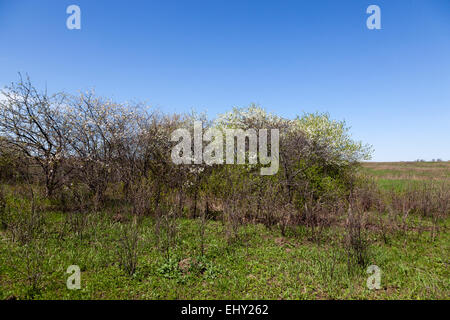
point(398, 175)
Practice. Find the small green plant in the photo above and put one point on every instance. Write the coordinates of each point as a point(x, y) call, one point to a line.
point(169, 269)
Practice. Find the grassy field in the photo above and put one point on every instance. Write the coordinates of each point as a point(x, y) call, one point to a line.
point(259, 263)
point(398, 175)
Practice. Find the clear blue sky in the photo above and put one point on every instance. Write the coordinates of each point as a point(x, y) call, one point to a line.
point(392, 86)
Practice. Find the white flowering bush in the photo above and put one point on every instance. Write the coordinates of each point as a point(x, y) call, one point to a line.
point(123, 151)
point(317, 154)
point(335, 134)
point(32, 122)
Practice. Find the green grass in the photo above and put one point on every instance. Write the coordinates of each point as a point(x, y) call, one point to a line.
point(259, 264)
point(399, 176)
point(396, 184)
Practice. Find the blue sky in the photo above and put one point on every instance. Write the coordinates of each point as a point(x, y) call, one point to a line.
point(392, 86)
